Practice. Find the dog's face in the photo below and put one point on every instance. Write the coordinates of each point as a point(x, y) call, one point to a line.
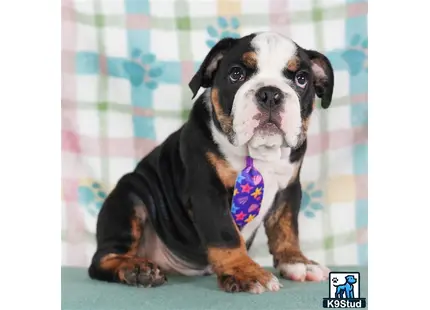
point(263, 88)
point(350, 279)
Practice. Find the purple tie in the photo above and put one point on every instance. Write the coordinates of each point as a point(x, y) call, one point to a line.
point(247, 195)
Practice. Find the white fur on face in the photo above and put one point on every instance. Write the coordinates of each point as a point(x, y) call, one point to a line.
point(273, 53)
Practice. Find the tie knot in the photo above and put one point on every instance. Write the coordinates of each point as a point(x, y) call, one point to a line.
point(249, 161)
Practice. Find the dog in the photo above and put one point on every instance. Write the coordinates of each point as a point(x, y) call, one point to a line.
point(346, 290)
point(171, 214)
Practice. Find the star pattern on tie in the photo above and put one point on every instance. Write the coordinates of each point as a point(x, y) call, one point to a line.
point(247, 195)
point(250, 218)
point(240, 216)
point(257, 192)
point(246, 188)
point(240, 178)
point(234, 208)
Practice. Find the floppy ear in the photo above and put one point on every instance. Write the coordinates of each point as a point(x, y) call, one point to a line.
point(324, 77)
point(204, 76)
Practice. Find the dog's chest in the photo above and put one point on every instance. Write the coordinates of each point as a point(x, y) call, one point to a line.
point(276, 176)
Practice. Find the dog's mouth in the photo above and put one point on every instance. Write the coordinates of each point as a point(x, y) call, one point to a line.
point(269, 128)
point(269, 123)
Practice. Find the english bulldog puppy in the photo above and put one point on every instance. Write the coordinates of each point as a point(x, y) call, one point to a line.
point(173, 213)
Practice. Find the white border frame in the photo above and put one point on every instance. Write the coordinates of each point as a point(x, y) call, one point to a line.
point(399, 157)
point(30, 166)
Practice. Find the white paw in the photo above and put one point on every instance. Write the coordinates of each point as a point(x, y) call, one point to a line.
point(257, 288)
point(273, 285)
point(304, 272)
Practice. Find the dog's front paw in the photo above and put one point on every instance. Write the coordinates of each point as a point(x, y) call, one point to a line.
point(237, 272)
point(233, 284)
point(306, 271)
point(141, 272)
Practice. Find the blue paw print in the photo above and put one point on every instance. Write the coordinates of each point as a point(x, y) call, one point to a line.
point(226, 30)
point(142, 69)
point(356, 55)
point(311, 198)
point(91, 197)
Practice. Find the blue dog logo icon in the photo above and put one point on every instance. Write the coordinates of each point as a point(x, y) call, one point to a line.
point(346, 290)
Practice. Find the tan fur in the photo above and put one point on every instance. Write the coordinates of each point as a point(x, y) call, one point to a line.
point(225, 172)
point(250, 60)
point(225, 121)
point(236, 262)
point(305, 124)
point(121, 263)
point(293, 64)
point(283, 240)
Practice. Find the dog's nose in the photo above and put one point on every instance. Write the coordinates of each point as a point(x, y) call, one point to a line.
point(269, 96)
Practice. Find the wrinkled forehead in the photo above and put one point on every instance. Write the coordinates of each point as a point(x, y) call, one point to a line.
point(269, 51)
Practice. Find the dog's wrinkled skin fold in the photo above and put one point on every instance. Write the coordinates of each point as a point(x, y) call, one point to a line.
point(172, 213)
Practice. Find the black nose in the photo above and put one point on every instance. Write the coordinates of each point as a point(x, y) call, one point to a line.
point(269, 96)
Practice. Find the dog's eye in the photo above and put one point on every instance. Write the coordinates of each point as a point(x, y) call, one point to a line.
point(236, 74)
point(301, 79)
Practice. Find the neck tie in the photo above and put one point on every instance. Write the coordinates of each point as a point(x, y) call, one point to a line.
point(247, 195)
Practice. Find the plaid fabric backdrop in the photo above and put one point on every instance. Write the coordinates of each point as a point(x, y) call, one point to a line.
point(125, 69)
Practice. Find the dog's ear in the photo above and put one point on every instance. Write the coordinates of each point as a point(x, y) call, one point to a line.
point(204, 76)
point(324, 77)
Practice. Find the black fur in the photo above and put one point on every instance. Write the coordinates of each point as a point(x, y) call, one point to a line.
point(172, 179)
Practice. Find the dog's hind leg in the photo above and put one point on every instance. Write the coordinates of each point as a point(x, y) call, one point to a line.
point(120, 227)
point(340, 292)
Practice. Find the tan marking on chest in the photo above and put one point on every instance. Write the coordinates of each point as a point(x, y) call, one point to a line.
point(225, 172)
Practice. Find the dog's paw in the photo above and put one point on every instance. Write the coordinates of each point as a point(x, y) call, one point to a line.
point(273, 285)
point(232, 284)
point(142, 273)
point(304, 272)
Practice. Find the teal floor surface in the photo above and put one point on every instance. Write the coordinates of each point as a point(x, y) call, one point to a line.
point(183, 293)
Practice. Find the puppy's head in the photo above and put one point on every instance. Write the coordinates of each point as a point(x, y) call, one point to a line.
point(262, 88)
point(350, 279)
